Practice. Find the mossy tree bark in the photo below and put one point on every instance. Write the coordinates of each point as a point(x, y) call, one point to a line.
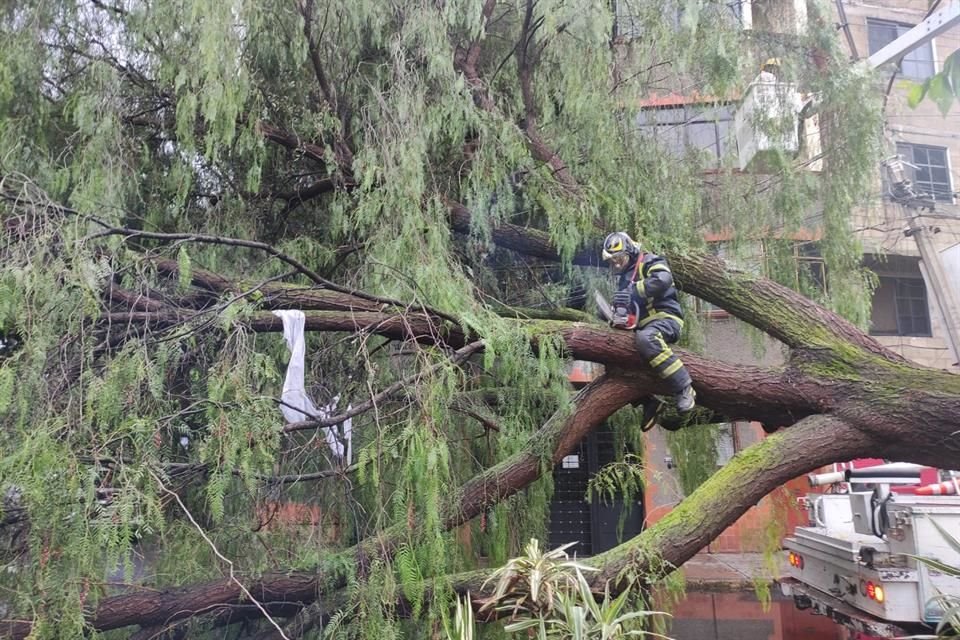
point(841, 396)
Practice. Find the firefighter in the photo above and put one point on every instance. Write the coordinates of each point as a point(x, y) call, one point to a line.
point(770, 71)
point(646, 302)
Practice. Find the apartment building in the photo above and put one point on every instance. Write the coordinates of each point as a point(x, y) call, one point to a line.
point(912, 244)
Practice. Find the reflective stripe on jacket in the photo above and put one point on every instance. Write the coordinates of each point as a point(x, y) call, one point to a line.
point(666, 305)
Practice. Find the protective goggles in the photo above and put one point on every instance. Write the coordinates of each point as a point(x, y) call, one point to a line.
point(618, 261)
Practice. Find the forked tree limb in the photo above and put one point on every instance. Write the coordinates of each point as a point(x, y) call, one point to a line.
point(723, 498)
point(776, 310)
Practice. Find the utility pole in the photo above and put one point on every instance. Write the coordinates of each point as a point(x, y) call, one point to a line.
point(912, 206)
point(943, 293)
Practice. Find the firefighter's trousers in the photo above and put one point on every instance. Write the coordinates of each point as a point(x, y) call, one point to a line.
point(653, 342)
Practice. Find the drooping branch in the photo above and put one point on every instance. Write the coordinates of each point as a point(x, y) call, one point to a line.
point(275, 295)
point(269, 249)
point(457, 358)
point(306, 11)
point(342, 150)
point(420, 327)
point(555, 439)
point(526, 59)
point(466, 62)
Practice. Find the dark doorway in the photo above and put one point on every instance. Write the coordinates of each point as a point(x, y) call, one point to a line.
point(593, 526)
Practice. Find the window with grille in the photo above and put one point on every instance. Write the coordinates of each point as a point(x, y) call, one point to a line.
point(899, 305)
point(929, 169)
point(918, 64)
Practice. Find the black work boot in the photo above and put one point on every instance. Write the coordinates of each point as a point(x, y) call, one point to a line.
point(652, 408)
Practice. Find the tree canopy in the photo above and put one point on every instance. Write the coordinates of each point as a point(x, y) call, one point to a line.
point(427, 180)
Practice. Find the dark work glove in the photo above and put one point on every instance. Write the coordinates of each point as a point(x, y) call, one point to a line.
point(621, 309)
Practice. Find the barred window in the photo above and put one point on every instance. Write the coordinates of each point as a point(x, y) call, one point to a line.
point(929, 169)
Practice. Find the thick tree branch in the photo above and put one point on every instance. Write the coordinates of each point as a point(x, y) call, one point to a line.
point(131, 300)
point(783, 313)
point(292, 142)
point(558, 436)
point(771, 396)
point(718, 503)
point(303, 194)
point(525, 240)
point(729, 493)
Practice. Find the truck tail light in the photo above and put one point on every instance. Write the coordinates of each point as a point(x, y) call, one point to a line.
point(795, 560)
point(875, 592)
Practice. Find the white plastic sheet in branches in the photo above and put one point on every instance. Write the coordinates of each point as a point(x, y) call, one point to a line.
point(297, 405)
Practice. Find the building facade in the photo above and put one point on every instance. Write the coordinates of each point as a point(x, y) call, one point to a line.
point(912, 244)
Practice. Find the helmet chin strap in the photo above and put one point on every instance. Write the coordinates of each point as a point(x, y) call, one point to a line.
point(636, 267)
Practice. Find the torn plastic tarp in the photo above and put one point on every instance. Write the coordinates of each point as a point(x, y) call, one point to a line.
point(297, 405)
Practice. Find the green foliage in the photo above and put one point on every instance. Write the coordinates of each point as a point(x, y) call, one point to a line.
point(621, 481)
point(942, 87)
point(411, 579)
point(949, 625)
point(462, 626)
point(195, 117)
point(694, 452)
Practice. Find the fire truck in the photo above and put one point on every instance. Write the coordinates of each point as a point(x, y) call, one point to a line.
point(857, 562)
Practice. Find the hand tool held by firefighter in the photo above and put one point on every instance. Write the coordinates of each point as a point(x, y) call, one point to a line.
point(625, 311)
point(622, 314)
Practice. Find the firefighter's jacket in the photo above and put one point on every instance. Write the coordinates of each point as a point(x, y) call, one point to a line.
point(651, 287)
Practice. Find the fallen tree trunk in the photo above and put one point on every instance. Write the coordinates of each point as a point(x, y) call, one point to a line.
point(869, 400)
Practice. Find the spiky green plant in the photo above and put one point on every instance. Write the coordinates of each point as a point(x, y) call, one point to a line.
point(548, 596)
